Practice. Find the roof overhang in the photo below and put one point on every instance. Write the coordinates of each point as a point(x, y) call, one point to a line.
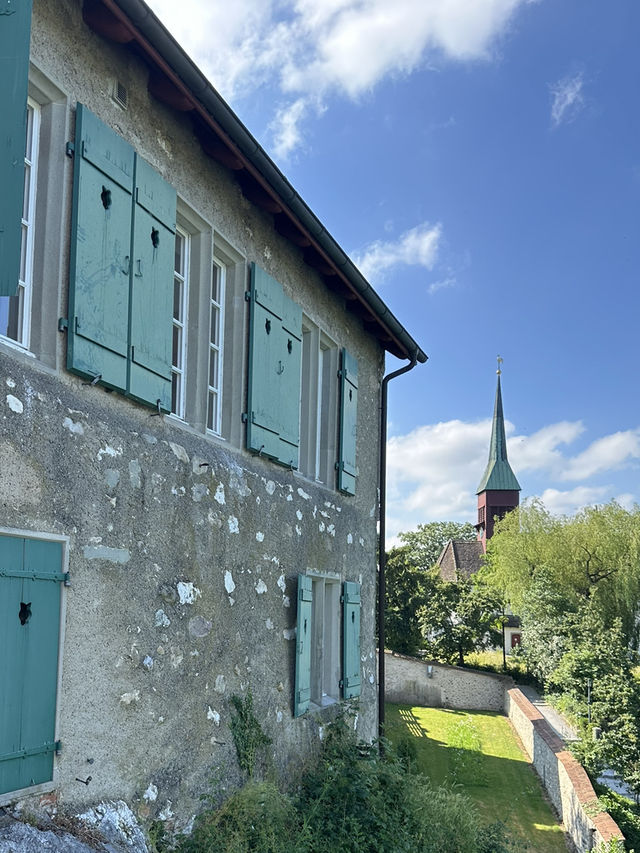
point(175, 80)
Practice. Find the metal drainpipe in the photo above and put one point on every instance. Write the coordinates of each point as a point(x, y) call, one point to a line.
point(382, 554)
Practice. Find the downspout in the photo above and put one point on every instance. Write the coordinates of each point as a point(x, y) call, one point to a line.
point(382, 554)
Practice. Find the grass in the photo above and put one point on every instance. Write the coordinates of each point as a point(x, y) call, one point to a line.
point(479, 753)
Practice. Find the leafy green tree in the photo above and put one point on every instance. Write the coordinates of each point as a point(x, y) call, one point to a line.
point(426, 542)
point(408, 589)
point(458, 618)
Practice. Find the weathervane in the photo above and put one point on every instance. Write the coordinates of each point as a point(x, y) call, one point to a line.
point(499, 370)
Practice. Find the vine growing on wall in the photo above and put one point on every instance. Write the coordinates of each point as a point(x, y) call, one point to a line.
point(248, 737)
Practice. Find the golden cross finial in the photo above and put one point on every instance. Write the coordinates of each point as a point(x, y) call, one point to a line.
point(500, 360)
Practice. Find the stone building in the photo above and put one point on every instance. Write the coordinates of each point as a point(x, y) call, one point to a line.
point(191, 378)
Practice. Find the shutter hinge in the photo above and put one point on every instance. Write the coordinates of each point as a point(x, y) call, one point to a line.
point(341, 683)
point(63, 324)
point(342, 599)
point(57, 747)
point(67, 579)
point(70, 149)
point(245, 417)
point(247, 296)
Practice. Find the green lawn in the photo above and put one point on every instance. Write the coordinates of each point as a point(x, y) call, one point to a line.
point(478, 752)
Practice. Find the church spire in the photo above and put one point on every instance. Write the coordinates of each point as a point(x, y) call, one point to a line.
point(498, 475)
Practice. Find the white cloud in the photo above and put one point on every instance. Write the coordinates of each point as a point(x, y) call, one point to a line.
point(443, 284)
point(416, 247)
point(309, 50)
point(567, 98)
point(434, 470)
point(287, 135)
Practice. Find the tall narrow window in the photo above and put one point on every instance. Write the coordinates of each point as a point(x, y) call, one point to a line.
point(180, 295)
point(15, 310)
point(216, 320)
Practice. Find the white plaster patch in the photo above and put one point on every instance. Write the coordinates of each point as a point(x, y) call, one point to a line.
point(187, 592)
point(259, 536)
point(304, 495)
point(289, 633)
point(349, 539)
point(361, 541)
point(371, 679)
point(269, 625)
point(232, 601)
point(221, 685)
point(151, 794)
point(279, 716)
point(10, 383)
point(355, 722)
point(289, 497)
point(166, 813)
point(147, 663)
point(285, 600)
point(261, 587)
point(219, 495)
point(179, 492)
point(111, 555)
point(129, 698)
point(135, 472)
point(14, 404)
point(107, 450)
point(331, 529)
point(298, 515)
point(229, 583)
point(161, 619)
point(282, 584)
point(298, 530)
point(199, 491)
point(321, 527)
point(73, 427)
point(232, 521)
point(179, 452)
point(270, 487)
point(321, 732)
point(324, 514)
point(212, 714)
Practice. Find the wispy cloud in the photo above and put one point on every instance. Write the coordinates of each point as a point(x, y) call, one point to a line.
point(305, 50)
point(443, 284)
point(416, 247)
point(434, 470)
point(567, 98)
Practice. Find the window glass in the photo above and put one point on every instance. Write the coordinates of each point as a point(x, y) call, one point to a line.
point(216, 321)
point(180, 296)
point(15, 310)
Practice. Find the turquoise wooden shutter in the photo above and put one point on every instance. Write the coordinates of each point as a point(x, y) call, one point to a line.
point(15, 30)
point(100, 260)
point(348, 423)
point(290, 365)
point(351, 681)
point(302, 693)
point(152, 287)
point(30, 578)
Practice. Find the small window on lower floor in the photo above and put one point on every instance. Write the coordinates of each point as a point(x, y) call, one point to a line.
point(325, 637)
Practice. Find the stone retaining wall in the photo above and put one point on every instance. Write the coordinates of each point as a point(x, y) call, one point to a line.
point(412, 681)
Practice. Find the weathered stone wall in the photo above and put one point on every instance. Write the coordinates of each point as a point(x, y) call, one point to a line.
point(183, 549)
point(408, 680)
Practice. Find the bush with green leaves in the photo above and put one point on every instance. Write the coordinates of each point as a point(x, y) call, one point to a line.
point(353, 798)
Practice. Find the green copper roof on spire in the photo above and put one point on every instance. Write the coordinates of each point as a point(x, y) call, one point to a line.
point(498, 475)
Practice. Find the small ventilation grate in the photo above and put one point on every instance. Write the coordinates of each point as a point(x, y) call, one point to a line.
point(120, 94)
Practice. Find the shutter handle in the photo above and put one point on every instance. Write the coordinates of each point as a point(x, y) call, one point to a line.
point(127, 265)
point(139, 273)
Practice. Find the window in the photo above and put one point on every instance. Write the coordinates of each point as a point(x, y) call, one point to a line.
point(318, 405)
point(16, 310)
point(322, 672)
point(180, 302)
point(216, 327)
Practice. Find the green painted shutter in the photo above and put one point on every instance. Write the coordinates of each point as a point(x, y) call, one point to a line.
point(15, 30)
point(100, 252)
point(30, 573)
point(290, 378)
point(302, 694)
point(351, 640)
point(152, 287)
point(275, 353)
point(348, 423)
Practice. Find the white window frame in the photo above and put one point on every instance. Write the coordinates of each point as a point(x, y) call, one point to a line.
point(216, 308)
point(25, 284)
point(180, 324)
point(326, 630)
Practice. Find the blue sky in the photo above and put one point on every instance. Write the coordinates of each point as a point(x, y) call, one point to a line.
point(480, 160)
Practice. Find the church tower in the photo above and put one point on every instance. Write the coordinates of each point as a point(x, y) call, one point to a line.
point(499, 489)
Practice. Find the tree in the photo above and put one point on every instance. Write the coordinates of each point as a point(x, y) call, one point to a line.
point(407, 593)
point(426, 542)
point(459, 617)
